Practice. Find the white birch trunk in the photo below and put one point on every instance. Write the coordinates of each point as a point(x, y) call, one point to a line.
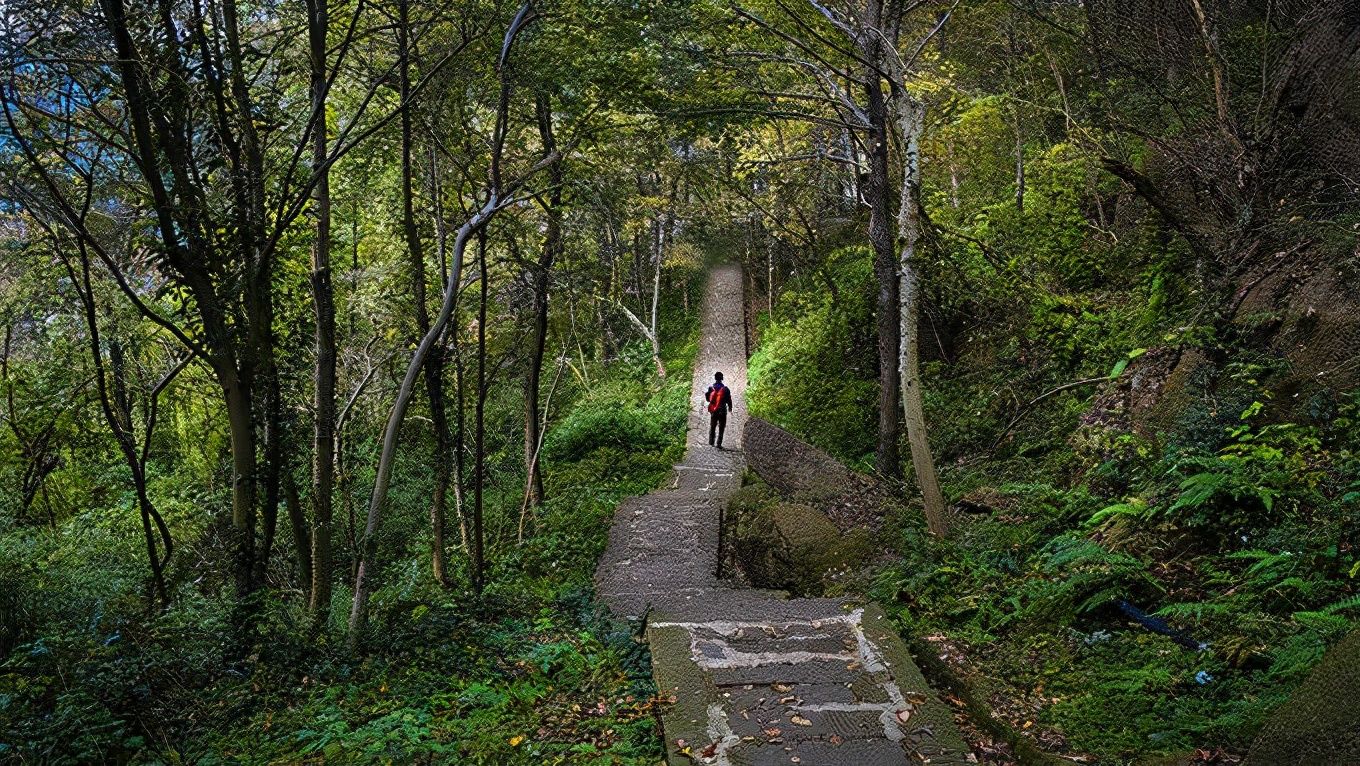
point(910, 117)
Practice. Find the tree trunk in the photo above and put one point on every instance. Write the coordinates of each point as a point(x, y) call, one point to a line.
point(323, 304)
point(552, 247)
point(1019, 164)
point(910, 122)
point(434, 364)
point(479, 424)
point(302, 538)
point(272, 466)
point(242, 434)
point(460, 436)
point(660, 257)
point(770, 242)
point(116, 406)
point(887, 459)
point(368, 545)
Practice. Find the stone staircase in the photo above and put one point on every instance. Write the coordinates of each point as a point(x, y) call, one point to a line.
point(749, 677)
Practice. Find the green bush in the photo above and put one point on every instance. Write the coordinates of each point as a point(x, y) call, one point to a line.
point(620, 415)
point(811, 373)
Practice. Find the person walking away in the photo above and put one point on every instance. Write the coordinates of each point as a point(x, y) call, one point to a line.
point(719, 398)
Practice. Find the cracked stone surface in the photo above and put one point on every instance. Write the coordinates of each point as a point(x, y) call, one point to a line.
point(750, 677)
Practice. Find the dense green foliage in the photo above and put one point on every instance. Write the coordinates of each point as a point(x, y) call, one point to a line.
point(529, 672)
point(1231, 518)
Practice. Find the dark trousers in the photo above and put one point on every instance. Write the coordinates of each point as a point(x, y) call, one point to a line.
point(717, 423)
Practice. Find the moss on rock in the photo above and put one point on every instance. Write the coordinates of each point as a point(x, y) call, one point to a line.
point(1321, 723)
point(788, 545)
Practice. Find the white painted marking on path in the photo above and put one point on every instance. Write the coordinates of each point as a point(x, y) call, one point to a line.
point(720, 732)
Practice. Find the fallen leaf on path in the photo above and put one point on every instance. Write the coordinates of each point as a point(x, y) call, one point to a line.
point(801, 721)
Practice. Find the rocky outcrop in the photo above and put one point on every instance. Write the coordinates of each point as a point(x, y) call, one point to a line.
point(804, 474)
point(790, 546)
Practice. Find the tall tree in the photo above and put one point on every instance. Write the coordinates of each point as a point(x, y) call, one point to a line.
point(434, 363)
point(323, 305)
point(540, 274)
point(499, 193)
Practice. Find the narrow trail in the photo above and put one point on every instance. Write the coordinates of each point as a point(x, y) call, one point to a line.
point(755, 677)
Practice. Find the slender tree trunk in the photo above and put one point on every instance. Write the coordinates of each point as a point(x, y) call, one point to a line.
point(459, 438)
point(434, 364)
point(655, 337)
point(323, 304)
point(302, 538)
point(242, 434)
point(1209, 36)
point(116, 406)
point(272, 468)
point(552, 247)
point(769, 276)
point(887, 459)
point(367, 547)
point(1019, 164)
point(479, 425)
point(148, 510)
point(911, 120)
point(450, 445)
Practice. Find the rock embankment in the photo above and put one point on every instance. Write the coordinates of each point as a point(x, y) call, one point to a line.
point(806, 474)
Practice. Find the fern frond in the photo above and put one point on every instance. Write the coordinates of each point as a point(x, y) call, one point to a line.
point(1346, 603)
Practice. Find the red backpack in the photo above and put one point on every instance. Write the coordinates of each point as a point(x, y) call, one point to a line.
point(715, 398)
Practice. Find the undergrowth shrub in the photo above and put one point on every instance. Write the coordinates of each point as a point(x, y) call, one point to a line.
point(617, 415)
point(812, 373)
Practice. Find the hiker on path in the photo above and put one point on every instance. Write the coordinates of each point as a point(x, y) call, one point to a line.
point(719, 398)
